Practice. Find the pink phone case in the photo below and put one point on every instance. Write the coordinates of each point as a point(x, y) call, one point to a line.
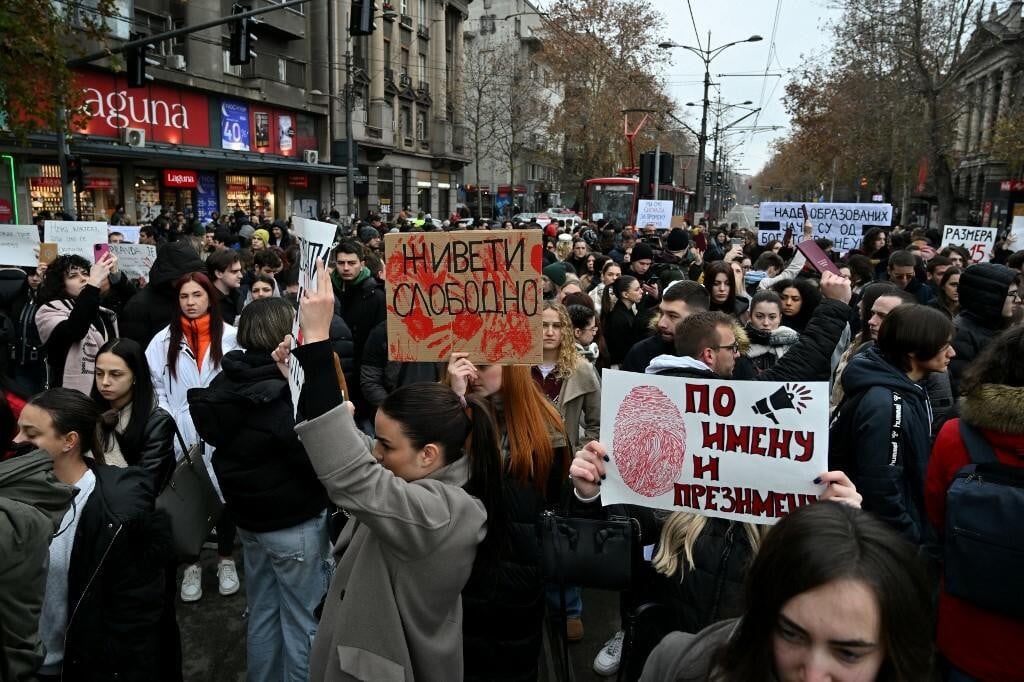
point(99, 251)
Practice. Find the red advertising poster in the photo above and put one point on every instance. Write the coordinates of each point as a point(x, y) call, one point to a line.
point(167, 114)
point(186, 179)
point(299, 181)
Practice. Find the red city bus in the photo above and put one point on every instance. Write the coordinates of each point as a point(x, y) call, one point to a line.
point(615, 199)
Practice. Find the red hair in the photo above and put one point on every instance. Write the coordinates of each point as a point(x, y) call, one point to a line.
point(530, 419)
point(216, 323)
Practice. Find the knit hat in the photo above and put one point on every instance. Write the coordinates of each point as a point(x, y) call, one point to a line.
point(983, 290)
point(556, 273)
point(677, 240)
point(551, 229)
point(246, 231)
point(262, 234)
point(565, 237)
point(641, 251)
point(367, 233)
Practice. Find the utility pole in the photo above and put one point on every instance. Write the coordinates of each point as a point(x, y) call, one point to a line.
point(350, 185)
point(66, 191)
point(699, 196)
point(657, 170)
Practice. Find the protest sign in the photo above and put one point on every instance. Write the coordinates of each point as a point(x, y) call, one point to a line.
point(657, 213)
point(1015, 240)
point(842, 224)
point(19, 245)
point(134, 260)
point(979, 241)
point(315, 240)
point(473, 292)
point(129, 232)
point(741, 450)
point(75, 238)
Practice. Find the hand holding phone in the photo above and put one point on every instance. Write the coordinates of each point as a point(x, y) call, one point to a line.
point(99, 251)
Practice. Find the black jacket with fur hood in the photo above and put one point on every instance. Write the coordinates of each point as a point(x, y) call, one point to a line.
point(116, 580)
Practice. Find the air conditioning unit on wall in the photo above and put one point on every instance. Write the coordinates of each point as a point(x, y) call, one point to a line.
point(310, 156)
point(176, 61)
point(133, 137)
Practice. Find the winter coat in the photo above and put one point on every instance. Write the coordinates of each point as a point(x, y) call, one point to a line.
point(881, 438)
point(116, 581)
point(394, 610)
point(152, 308)
point(767, 348)
point(362, 306)
point(684, 656)
point(983, 644)
point(642, 352)
point(263, 471)
point(72, 331)
point(579, 402)
point(379, 376)
point(620, 332)
point(32, 505)
point(155, 454)
point(230, 306)
point(983, 290)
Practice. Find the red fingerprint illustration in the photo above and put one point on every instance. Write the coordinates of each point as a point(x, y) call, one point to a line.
point(649, 441)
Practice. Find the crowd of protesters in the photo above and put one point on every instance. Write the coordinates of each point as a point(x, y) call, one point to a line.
point(388, 528)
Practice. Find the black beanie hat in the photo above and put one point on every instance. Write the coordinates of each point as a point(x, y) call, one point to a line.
point(677, 240)
point(983, 290)
point(641, 251)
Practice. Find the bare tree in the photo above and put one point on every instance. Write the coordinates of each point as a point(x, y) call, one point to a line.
point(479, 82)
point(521, 110)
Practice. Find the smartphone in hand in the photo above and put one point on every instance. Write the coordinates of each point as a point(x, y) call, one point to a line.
point(99, 251)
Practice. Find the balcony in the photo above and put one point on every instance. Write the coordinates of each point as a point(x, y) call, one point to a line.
point(406, 21)
point(423, 31)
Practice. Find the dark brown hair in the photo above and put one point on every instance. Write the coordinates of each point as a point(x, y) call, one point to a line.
point(913, 329)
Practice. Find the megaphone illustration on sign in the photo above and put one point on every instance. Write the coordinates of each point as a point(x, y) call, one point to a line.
point(788, 397)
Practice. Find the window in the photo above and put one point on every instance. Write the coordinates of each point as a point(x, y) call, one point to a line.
point(405, 62)
point(406, 188)
point(387, 54)
point(421, 126)
point(423, 68)
point(423, 12)
point(117, 21)
point(282, 70)
point(404, 7)
point(405, 122)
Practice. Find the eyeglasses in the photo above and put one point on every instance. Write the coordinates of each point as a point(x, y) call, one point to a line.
point(1016, 295)
point(734, 348)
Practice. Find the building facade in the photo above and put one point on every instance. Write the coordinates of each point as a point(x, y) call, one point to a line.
point(991, 83)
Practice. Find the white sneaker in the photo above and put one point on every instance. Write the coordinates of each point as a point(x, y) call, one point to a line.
point(192, 584)
point(227, 577)
point(607, 660)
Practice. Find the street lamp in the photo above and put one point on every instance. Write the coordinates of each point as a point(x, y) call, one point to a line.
point(706, 56)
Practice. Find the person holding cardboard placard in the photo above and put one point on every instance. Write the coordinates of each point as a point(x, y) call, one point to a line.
point(72, 324)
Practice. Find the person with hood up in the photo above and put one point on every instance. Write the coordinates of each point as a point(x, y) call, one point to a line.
point(880, 434)
point(152, 308)
point(32, 504)
point(989, 300)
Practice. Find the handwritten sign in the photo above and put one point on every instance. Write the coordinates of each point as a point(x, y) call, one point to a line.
point(129, 232)
point(473, 292)
point(747, 451)
point(651, 212)
point(315, 240)
point(134, 260)
point(979, 241)
point(19, 245)
point(842, 224)
point(75, 238)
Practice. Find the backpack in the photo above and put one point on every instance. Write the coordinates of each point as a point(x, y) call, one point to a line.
point(984, 548)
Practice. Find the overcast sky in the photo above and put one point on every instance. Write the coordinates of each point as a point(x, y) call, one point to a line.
point(801, 30)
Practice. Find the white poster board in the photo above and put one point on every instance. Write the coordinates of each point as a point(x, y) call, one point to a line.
point(74, 237)
point(134, 260)
point(979, 241)
point(315, 240)
point(742, 450)
point(19, 245)
point(1015, 240)
point(651, 212)
point(129, 232)
point(842, 224)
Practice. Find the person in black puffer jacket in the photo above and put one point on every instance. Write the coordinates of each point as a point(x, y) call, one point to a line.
point(152, 308)
point(985, 310)
point(276, 499)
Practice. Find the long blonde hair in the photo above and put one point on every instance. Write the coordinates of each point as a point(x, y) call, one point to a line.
point(568, 358)
point(679, 535)
point(563, 249)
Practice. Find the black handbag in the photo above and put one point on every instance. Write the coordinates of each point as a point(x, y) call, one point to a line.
point(190, 501)
point(586, 552)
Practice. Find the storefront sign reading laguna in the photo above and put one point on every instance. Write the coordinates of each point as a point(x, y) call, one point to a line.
point(167, 114)
point(184, 179)
point(740, 450)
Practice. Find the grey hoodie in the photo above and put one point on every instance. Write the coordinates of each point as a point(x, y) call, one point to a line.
point(32, 504)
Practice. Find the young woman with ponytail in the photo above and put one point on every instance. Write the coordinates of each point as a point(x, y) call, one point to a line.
point(424, 499)
point(619, 328)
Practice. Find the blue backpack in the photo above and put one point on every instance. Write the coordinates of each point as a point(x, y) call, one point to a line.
point(984, 542)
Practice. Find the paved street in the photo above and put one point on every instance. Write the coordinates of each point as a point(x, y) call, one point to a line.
point(213, 630)
point(744, 215)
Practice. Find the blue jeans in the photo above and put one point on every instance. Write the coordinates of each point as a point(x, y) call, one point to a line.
point(573, 599)
point(287, 573)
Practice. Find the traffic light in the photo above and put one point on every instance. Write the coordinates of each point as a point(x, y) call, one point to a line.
point(243, 39)
point(707, 178)
point(361, 19)
point(719, 178)
point(136, 61)
point(864, 182)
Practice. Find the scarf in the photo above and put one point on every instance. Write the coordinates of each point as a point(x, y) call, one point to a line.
point(197, 335)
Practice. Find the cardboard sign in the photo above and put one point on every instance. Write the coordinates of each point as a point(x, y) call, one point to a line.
point(19, 245)
point(129, 232)
point(842, 224)
point(742, 450)
point(651, 212)
point(134, 260)
point(315, 240)
point(475, 292)
point(75, 238)
point(979, 241)
point(679, 221)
